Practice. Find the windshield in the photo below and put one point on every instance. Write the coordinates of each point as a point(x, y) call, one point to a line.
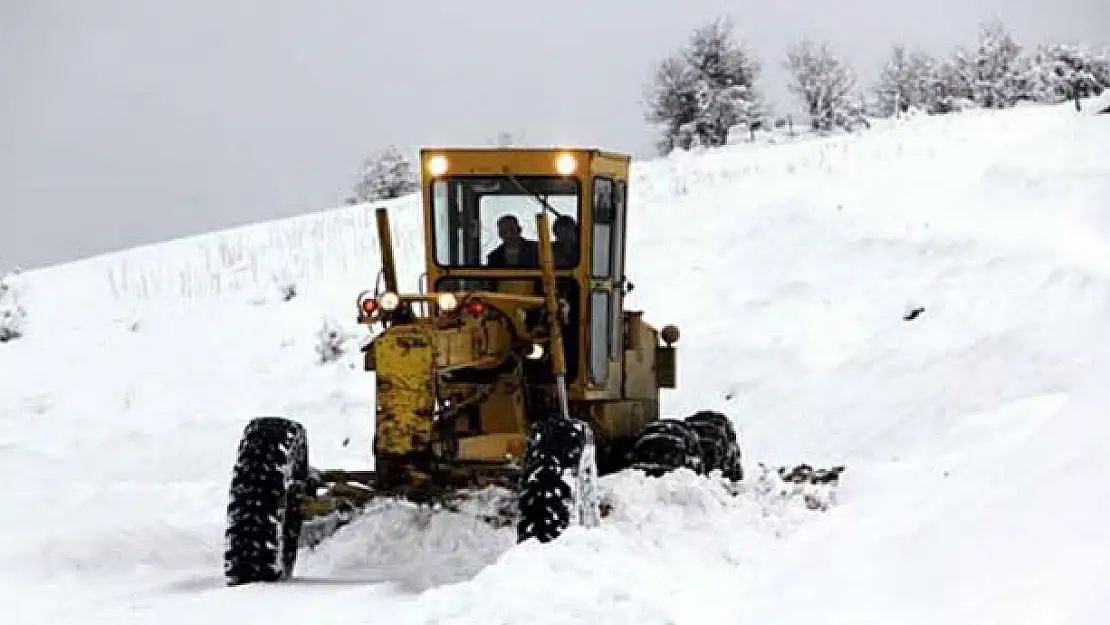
point(489, 221)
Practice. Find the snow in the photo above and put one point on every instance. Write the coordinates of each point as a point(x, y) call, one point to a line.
point(973, 435)
point(1100, 104)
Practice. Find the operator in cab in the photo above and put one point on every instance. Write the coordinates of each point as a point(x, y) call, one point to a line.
point(515, 250)
point(565, 245)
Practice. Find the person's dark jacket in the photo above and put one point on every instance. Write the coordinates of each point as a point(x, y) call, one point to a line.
point(529, 255)
point(566, 254)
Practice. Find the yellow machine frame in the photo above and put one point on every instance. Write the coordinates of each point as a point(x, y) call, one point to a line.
point(638, 365)
point(473, 384)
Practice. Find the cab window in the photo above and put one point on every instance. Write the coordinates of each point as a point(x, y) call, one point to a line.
point(601, 268)
point(490, 221)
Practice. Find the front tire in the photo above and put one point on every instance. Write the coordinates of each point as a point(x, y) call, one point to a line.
point(558, 482)
point(264, 517)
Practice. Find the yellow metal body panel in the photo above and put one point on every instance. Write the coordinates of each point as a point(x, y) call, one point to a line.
point(616, 419)
point(639, 361)
point(503, 411)
point(492, 447)
point(610, 389)
point(457, 346)
point(455, 363)
point(537, 161)
point(522, 160)
point(404, 359)
point(608, 164)
point(666, 370)
point(517, 287)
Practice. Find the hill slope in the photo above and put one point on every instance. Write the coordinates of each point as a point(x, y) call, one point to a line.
point(974, 434)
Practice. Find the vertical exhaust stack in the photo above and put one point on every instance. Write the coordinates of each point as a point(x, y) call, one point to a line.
point(385, 240)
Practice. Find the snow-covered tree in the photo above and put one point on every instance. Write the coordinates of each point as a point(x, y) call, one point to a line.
point(1060, 72)
point(952, 85)
point(13, 316)
point(1038, 78)
point(1100, 68)
point(825, 85)
point(997, 73)
point(906, 82)
point(998, 68)
point(673, 104)
point(706, 89)
point(385, 175)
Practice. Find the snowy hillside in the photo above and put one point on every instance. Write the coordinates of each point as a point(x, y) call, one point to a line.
point(976, 434)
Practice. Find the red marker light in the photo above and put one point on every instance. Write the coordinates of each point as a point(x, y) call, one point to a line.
point(475, 307)
point(369, 305)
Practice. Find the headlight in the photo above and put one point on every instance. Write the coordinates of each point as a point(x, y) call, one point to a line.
point(566, 164)
point(447, 302)
point(437, 165)
point(390, 301)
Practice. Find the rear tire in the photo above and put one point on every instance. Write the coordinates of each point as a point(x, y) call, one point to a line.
point(558, 480)
point(720, 449)
point(264, 517)
point(665, 445)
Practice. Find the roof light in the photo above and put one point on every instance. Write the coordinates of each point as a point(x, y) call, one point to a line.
point(437, 165)
point(566, 164)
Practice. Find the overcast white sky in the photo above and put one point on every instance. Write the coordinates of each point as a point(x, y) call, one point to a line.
point(125, 122)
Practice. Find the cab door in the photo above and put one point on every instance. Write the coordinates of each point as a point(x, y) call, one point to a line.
point(606, 293)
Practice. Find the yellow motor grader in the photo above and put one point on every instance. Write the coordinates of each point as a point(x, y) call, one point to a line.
point(516, 364)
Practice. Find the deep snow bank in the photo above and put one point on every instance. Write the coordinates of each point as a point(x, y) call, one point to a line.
point(973, 433)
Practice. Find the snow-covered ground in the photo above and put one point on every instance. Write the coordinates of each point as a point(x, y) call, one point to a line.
point(976, 436)
point(1099, 105)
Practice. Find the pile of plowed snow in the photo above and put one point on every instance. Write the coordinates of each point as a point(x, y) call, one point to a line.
point(925, 303)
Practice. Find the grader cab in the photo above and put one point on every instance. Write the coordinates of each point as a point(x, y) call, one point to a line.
point(515, 364)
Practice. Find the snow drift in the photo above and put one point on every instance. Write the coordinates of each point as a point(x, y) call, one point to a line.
point(1099, 105)
point(925, 303)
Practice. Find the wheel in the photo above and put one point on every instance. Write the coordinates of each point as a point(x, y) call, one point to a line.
point(720, 449)
point(558, 482)
point(264, 515)
point(614, 455)
point(664, 445)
